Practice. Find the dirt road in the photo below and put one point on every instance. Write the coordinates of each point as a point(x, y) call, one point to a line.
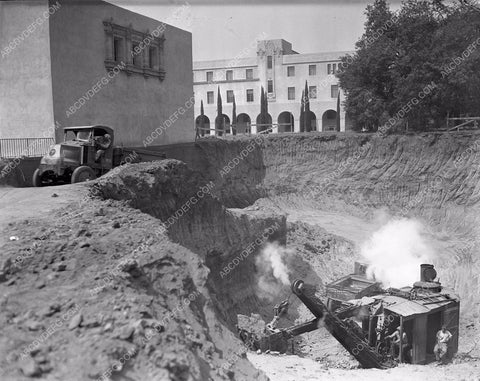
point(294, 368)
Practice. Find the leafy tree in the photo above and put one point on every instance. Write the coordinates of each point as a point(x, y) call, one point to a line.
point(400, 54)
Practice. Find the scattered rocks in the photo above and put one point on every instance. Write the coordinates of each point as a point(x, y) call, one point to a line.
point(130, 266)
point(33, 325)
point(83, 232)
point(116, 225)
point(50, 310)
point(91, 322)
point(126, 332)
point(75, 321)
point(30, 368)
point(5, 268)
point(52, 276)
point(60, 266)
point(99, 212)
point(54, 195)
point(108, 327)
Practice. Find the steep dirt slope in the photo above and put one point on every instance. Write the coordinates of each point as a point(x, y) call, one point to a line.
point(228, 240)
point(432, 177)
point(99, 291)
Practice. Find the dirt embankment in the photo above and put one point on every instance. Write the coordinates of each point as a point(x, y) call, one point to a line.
point(227, 240)
point(432, 177)
point(99, 291)
point(358, 169)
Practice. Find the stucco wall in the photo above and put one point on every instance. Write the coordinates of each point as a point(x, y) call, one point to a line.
point(133, 105)
point(319, 106)
point(278, 103)
point(26, 108)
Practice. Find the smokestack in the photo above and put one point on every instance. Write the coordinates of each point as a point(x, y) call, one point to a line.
point(427, 273)
point(427, 282)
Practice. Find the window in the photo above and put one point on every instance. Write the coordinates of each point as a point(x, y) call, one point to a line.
point(331, 68)
point(249, 73)
point(291, 93)
point(152, 58)
point(136, 55)
point(210, 97)
point(312, 92)
point(118, 49)
point(147, 60)
point(209, 76)
point(290, 71)
point(269, 62)
point(270, 86)
point(334, 91)
point(229, 96)
point(249, 95)
point(229, 75)
point(312, 69)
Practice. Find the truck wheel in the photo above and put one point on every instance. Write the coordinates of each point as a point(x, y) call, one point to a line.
point(37, 178)
point(82, 174)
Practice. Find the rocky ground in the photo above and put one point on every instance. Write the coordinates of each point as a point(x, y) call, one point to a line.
point(293, 368)
point(97, 290)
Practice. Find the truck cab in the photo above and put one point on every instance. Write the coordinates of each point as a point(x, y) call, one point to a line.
point(85, 154)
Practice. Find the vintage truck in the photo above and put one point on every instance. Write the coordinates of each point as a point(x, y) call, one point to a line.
point(86, 153)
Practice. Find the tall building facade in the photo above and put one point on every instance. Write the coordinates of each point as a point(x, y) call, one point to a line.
point(283, 74)
point(71, 63)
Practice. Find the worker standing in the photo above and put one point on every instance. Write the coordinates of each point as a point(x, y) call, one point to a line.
point(395, 336)
point(440, 349)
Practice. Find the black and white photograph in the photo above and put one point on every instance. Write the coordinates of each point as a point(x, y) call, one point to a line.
point(239, 190)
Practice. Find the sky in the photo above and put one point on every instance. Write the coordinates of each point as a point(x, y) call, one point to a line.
point(225, 29)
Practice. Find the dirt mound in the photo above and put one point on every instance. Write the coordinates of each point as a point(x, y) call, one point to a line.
point(99, 291)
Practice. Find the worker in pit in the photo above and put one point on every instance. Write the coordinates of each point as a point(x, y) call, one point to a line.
point(440, 349)
point(395, 337)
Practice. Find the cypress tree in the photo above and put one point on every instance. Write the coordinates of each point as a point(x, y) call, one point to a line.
point(337, 119)
point(219, 118)
point(302, 112)
point(202, 119)
point(234, 117)
point(262, 111)
point(308, 115)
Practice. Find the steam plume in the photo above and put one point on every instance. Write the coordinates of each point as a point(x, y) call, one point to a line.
point(394, 253)
point(272, 269)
